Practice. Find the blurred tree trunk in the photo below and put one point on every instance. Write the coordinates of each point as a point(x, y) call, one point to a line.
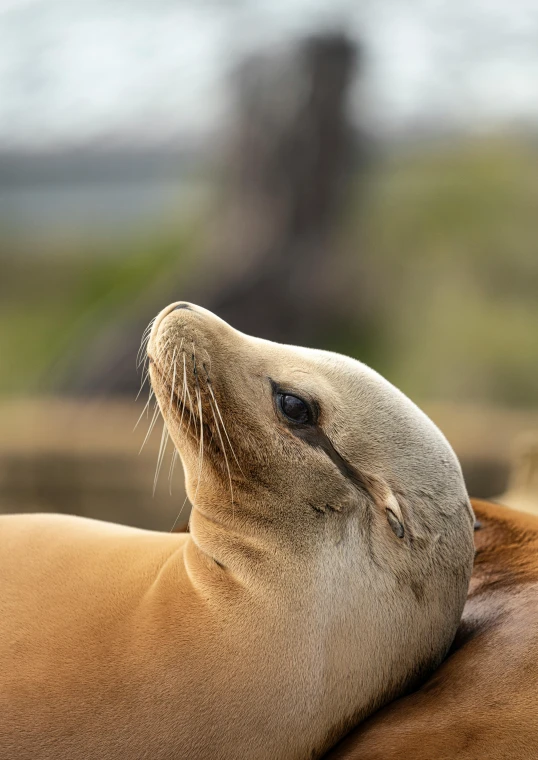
point(268, 265)
point(288, 173)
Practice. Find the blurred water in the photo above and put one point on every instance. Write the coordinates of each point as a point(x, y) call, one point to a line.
point(94, 209)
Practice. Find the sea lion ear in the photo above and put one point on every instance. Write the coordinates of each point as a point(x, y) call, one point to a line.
point(385, 500)
point(395, 517)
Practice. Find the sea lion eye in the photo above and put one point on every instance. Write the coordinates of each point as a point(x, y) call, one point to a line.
point(294, 408)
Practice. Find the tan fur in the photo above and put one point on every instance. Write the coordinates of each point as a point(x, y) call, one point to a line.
point(280, 620)
point(482, 703)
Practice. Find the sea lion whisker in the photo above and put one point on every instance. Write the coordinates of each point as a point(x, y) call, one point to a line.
point(197, 421)
point(225, 456)
point(188, 395)
point(161, 351)
point(147, 331)
point(206, 352)
point(171, 470)
point(144, 380)
point(173, 381)
point(148, 328)
point(184, 392)
point(155, 417)
point(140, 356)
point(156, 413)
point(144, 341)
point(180, 351)
point(224, 427)
point(201, 446)
point(145, 369)
point(146, 407)
point(168, 365)
point(151, 393)
point(199, 396)
point(179, 514)
point(160, 457)
point(145, 336)
point(143, 344)
point(165, 371)
point(172, 392)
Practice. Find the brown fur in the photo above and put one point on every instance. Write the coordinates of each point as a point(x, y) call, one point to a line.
point(482, 703)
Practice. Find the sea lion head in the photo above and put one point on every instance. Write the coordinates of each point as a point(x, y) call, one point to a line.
point(318, 459)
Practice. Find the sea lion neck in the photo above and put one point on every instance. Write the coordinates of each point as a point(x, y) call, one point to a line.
point(245, 549)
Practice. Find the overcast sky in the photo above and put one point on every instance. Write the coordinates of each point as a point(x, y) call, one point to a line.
point(78, 70)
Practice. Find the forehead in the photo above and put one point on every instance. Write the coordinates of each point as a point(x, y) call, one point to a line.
point(335, 381)
point(360, 410)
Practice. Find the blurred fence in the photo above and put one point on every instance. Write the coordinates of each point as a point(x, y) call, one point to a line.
point(82, 458)
point(415, 255)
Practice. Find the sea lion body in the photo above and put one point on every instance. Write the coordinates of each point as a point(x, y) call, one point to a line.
point(95, 656)
point(326, 568)
point(121, 645)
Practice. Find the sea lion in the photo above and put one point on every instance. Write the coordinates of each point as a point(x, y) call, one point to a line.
point(481, 704)
point(326, 568)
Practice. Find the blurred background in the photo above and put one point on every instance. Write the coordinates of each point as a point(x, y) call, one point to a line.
point(361, 177)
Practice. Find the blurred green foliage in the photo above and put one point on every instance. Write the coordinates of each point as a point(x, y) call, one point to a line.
point(51, 300)
point(446, 263)
point(448, 246)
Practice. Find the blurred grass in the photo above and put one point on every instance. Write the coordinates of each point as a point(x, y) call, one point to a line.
point(450, 248)
point(50, 299)
point(446, 262)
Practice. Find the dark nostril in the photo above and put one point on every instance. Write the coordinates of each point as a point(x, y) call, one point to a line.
point(183, 306)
